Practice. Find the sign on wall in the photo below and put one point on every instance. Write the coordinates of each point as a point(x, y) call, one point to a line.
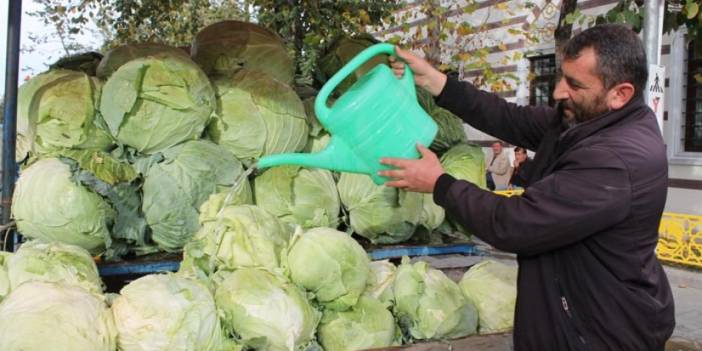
point(655, 91)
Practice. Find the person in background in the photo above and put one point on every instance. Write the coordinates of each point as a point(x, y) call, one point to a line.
point(498, 170)
point(585, 229)
point(520, 169)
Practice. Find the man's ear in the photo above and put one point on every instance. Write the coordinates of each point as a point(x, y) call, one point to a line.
point(620, 95)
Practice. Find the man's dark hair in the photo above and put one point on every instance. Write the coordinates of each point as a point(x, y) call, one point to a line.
point(620, 54)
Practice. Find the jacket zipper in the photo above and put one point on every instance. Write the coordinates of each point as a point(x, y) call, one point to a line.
point(566, 309)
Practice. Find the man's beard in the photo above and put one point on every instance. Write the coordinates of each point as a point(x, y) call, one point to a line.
point(575, 114)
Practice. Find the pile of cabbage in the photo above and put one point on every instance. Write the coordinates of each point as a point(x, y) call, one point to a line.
point(119, 152)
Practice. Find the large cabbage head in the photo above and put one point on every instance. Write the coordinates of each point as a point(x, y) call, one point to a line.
point(367, 325)
point(340, 52)
point(381, 214)
point(331, 265)
point(60, 317)
point(300, 196)
point(53, 262)
point(166, 312)
point(4, 278)
point(466, 162)
point(224, 47)
point(58, 110)
point(263, 310)
point(257, 116)
point(239, 236)
point(115, 58)
point(48, 204)
point(380, 281)
point(492, 287)
point(153, 103)
point(176, 187)
point(451, 130)
point(85, 62)
point(429, 305)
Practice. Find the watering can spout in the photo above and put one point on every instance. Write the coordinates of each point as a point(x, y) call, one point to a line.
point(336, 157)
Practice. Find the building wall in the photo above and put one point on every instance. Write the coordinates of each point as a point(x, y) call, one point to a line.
point(685, 170)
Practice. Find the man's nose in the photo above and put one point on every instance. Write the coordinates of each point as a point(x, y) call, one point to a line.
point(561, 90)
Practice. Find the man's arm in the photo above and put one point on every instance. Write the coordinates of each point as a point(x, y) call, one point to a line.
point(565, 207)
point(519, 125)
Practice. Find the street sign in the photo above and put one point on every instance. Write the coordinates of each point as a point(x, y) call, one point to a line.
point(655, 91)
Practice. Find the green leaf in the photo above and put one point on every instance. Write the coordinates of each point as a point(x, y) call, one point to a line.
point(692, 8)
point(102, 165)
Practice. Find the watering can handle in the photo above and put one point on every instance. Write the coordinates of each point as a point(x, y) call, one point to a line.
point(383, 48)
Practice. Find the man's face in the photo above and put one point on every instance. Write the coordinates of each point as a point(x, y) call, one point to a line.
point(520, 155)
point(496, 148)
point(580, 91)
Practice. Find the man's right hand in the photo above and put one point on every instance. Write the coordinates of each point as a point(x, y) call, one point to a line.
point(425, 75)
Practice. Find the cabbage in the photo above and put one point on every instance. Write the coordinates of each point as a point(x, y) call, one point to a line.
point(317, 143)
point(58, 110)
point(4, 279)
point(492, 287)
point(53, 262)
point(451, 130)
point(331, 265)
point(49, 204)
point(264, 310)
point(380, 281)
point(367, 325)
point(175, 188)
point(306, 197)
point(60, 317)
point(115, 58)
point(156, 102)
point(466, 162)
point(241, 236)
point(340, 52)
point(85, 62)
point(429, 305)
point(166, 312)
point(257, 116)
point(224, 47)
point(316, 128)
point(381, 214)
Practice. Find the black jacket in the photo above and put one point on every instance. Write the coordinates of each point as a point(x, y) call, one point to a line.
point(585, 229)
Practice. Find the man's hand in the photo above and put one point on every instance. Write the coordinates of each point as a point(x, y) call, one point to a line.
point(414, 175)
point(425, 76)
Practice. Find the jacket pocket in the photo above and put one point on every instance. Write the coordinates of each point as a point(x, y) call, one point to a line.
point(573, 325)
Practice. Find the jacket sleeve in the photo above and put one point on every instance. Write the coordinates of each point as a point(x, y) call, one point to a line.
point(576, 201)
point(519, 125)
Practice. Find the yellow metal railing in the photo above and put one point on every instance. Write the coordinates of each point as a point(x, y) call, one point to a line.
point(679, 239)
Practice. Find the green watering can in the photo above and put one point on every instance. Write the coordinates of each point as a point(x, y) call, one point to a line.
point(379, 116)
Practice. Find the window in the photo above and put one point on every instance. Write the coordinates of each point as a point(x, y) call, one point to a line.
point(543, 71)
point(693, 115)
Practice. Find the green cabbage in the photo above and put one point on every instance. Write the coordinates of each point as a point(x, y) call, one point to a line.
point(257, 116)
point(380, 281)
point(466, 162)
point(153, 103)
point(381, 214)
point(451, 130)
point(316, 128)
point(340, 52)
point(492, 287)
point(86, 62)
point(263, 310)
point(58, 317)
point(241, 236)
point(175, 188)
point(117, 57)
point(53, 262)
point(306, 197)
point(429, 305)
point(331, 265)
point(224, 47)
point(4, 279)
point(367, 325)
point(49, 204)
point(58, 110)
point(166, 312)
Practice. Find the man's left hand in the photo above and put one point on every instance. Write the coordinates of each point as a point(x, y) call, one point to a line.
point(414, 175)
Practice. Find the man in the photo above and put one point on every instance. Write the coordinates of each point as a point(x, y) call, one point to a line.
point(586, 228)
point(498, 169)
point(520, 170)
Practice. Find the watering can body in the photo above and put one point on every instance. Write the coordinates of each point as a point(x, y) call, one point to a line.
point(379, 116)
